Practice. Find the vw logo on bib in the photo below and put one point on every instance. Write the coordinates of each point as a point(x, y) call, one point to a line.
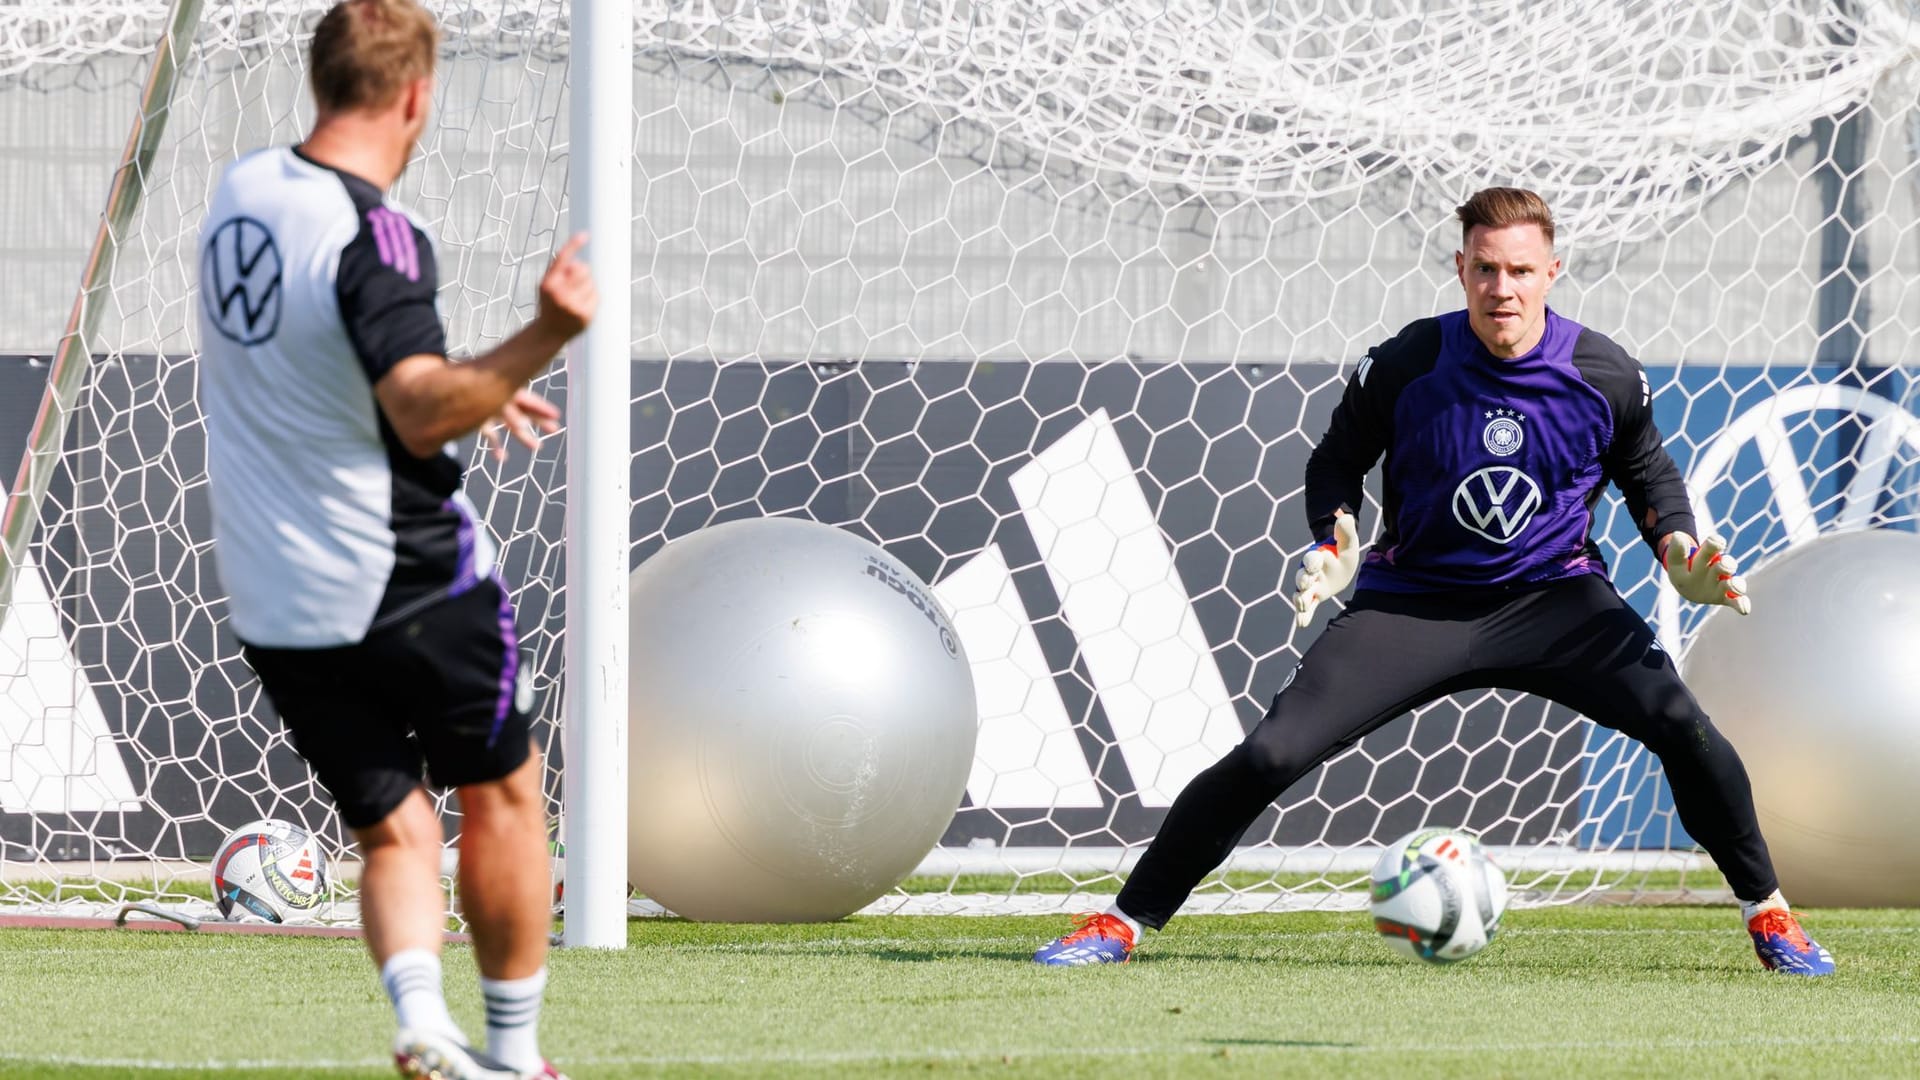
point(240, 281)
point(1497, 502)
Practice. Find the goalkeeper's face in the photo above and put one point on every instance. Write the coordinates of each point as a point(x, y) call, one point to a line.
point(1507, 272)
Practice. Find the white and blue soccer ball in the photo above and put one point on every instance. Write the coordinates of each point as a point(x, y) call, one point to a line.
point(270, 870)
point(1436, 895)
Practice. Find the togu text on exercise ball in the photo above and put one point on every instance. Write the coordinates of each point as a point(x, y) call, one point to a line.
point(802, 723)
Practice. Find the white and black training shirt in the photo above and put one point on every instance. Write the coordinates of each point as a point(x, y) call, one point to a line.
point(313, 286)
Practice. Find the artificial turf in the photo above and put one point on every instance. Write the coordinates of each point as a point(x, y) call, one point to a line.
point(1578, 991)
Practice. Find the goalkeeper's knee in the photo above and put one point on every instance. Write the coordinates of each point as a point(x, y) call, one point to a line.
point(1274, 762)
point(1678, 726)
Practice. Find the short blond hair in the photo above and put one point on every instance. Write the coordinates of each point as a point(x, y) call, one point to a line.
point(1499, 207)
point(365, 51)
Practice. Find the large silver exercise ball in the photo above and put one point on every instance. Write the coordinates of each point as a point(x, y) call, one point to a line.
point(802, 723)
point(1819, 690)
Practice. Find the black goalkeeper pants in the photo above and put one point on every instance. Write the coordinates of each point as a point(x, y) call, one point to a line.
point(1575, 642)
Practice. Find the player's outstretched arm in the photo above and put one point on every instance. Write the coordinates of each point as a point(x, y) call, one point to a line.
point(430, 402)
point(524, 420)
point(1326, 568)
point(1704, 573)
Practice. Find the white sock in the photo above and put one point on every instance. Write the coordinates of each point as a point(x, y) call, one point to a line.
point(1750, 908)
point(412, 979)
point(513, 1011)
point(1128, 919)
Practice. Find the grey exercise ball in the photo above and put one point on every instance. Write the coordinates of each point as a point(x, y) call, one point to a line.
point(1819, 691)
point(802, 723)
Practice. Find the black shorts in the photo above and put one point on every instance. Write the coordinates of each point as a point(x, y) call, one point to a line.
point(441, 688)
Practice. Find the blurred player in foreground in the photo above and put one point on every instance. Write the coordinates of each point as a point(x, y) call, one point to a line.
point(362, 586)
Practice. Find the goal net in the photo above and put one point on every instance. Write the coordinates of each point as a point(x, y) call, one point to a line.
point(1049, 298)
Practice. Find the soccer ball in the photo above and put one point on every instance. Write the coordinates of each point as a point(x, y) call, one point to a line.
point(272, 870)
point(1436, 896)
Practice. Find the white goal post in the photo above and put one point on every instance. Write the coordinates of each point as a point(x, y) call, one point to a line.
point(599, 366)
point(1049, 297)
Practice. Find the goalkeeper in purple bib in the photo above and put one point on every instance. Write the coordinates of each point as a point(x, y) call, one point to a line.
point(1500, 427)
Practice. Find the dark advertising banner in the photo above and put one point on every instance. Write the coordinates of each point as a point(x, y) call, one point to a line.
point(1112, 539)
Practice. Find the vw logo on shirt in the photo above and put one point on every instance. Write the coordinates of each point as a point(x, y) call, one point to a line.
point(240, 281)
point(1497, 502)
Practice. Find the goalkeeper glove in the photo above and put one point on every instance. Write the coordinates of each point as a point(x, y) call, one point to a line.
point(1326, 568)
point(1704, 573)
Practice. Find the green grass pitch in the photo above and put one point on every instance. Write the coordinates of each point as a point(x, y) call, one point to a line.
point(1565, 992)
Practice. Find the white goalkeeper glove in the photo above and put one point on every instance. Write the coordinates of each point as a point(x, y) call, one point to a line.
point(1704, 573)
point(1326, 568)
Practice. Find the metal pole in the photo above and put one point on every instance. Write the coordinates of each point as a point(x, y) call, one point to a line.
point(72, 357)
point(599, 397)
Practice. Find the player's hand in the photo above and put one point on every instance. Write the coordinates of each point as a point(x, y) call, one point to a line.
point(523, 419)
point(1326, 568)
point(1704, 573)
point(568, 298)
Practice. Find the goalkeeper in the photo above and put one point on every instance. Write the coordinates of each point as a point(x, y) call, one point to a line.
point(1500, 426)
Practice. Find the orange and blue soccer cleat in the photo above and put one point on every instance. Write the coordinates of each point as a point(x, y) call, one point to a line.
point(1095, 939)
point(1782, 946)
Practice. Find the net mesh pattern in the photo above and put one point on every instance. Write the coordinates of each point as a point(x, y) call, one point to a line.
point(1050, 299)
